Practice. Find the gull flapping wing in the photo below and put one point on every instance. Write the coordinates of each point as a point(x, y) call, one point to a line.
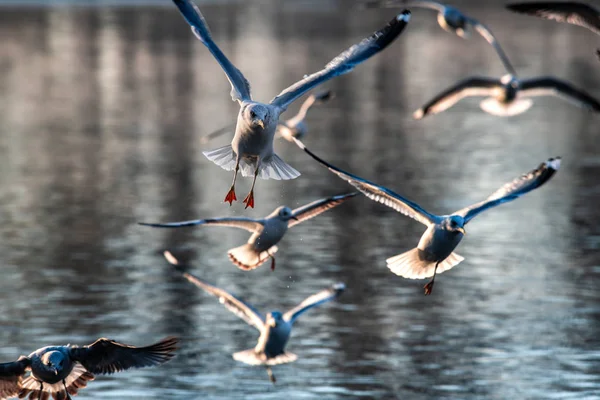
point(405, 3)
point(317, 207)
point(544, 86)
point(474, 86)
point(514, 189)
point(249, 224)
point(570, 12)
point(106, 356)
point(346, 61)
point(378, 193)
point(240, 87)
point(312, 301)
point(207, 138)
point(237, 306)
point(11, 376)
point(487, 34)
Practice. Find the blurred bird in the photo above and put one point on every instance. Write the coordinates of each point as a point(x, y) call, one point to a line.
point(252, 147)
point(275, 329)
point(61, 371)
point(434, 253)
point(571, 12)
point(293, 127)
point(266, 232)
point(452, 20)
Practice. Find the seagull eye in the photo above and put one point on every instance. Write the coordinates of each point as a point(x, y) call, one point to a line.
point(252, 114)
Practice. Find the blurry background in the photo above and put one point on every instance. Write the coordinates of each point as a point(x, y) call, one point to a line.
point(101, 113)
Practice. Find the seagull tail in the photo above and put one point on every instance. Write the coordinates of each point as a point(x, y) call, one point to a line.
point(516, 107)
point(246, 258)
point(251, 357)
point(412, 265)
point(224, 157)
point(76, 380)
point(276, 168)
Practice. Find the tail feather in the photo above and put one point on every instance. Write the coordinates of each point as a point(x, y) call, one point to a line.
point(494, 107)
point(246, 258)
point(273, 168)
point(251, 357)
point(77, 379)
point(412, 264)
point(224, 157)
point(276, 168)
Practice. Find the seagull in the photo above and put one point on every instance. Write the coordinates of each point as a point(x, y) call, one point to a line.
point(61, 371)
point(435, 252)
point(275, 329)
point(452, 20)
point(266, 232)
point(251, 149)
point(508, 95)
point(294, 126)
point(571, 12)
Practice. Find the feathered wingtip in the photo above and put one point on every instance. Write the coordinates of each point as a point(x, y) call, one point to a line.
point(251, 357)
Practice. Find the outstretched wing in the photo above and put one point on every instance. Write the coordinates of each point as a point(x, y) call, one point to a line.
point(106, 356)
point(570, 12)
point(251, 225)
point(346, 61)
point(432, 5)
point(549, 86)
point(237, 306)
point(317, 207)
point(11, 377)
point(487, 34)
point(240, 87)
point(207, 138)
point(474, 86)
point(377, 193)
point(316, 299)
point(514, 189)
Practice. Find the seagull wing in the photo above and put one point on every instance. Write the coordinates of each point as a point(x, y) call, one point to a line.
point(312, 301)
point(549, 86)
point(432, 5)
point(106, 356)
point(11, 377)
point(474, 86)
point(315, 208)
point(487, 34)
point(346, 61)
point(377, 193)
point(207, 138)
point(570, 12)
point(240, 87)
point(514, 189)
point(237, 306)
point(251, 225)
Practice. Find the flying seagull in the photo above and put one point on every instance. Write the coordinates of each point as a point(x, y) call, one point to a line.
point(435, 251)
point(508, 95)
point(251, 149)
point(275, 329)
point(61, 371)
point(571, 12)
point(295, 126)
point(266, 232)
point(452, 20)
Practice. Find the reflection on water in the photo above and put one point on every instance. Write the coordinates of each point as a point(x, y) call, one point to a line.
point(101, 113)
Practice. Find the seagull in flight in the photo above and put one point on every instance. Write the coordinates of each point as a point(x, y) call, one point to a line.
point(295, 126)
point(571, 12)
point(251, 149)
point(266, 232)
point(61, 371)
point(452, 20)
point(435, 252)
point(275, 329)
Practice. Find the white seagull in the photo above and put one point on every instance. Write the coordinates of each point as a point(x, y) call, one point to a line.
point(266, 232)
point(275, 330)
point(251, 149)
point(435, 252)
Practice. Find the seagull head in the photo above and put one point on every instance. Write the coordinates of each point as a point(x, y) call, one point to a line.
point(257, 115)
point(53, 360)
point(274, 318)
point(285, 213)
point(455, 224)
point(510, 80)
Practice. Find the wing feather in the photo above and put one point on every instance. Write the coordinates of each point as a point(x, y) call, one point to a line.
point(570, 12)
point(316, 299)
point(11, 377)
point(550, 86)
point(251, 225)
point(317, 207)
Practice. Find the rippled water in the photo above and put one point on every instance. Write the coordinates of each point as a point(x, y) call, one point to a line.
point(101, 113)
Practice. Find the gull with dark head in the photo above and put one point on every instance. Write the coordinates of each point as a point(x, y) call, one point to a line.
point(266, 232)
point(275, 329)
point(435, 252)
point(61, 371)
point(251, 149)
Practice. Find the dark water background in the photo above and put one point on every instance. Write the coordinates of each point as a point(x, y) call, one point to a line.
point(100, 117)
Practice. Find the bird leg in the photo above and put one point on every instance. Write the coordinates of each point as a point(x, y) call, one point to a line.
point(66, 391)
point(272, 261)
point(249, 200)
point(429, 287)
point(41, 390)
point(271, 376)
point(230, 197)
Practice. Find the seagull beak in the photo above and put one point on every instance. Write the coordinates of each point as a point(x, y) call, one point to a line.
point(461, 230)
point(272, 323)
point(261, 123)
point(55, 371)
point(294, 218)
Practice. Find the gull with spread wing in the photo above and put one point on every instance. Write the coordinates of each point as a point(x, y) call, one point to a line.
point(61, 371)
point(275, 329)
point(266, 232)
point(452, 20)
point(252, 147)
point(435, 252)
point(571, 12)
point(293, 127)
